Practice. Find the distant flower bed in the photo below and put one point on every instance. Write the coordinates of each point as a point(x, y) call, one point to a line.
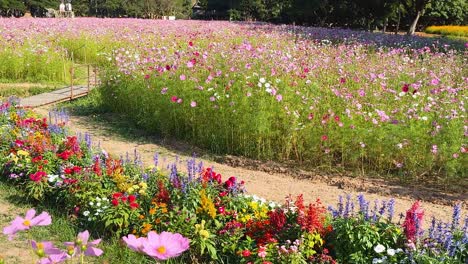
point(448, 30)
point(200, 216)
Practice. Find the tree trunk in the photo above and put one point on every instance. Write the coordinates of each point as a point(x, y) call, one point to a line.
point(385, 23)
point(412, 29)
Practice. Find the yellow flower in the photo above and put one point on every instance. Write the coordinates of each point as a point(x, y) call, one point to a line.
point(204, 234)
point(23, 153)
point(207, 206)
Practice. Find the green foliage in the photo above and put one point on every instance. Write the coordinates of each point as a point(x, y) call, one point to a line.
point(355, 239)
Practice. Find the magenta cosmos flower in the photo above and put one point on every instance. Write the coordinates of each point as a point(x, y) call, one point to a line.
point(30, 220)
point(165, 245)
point(81, 245)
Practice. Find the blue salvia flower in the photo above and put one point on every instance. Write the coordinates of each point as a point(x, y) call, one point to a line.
point(347, 205)
point(439, 234)
point(340, 205)
point(383, 208)
point(432, 229)
point(334, 212)
point(363, 206)
point(200, 167)
point(156, 159)
point(191, 169)
point(173, 177)
point(391, 209)
point(88, 140)
point(448, 241)
point(145, 176)
point(375, 211)
point(352, 208)
point(456, 216)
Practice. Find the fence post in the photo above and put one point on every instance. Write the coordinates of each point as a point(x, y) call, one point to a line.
point(88, 76)
point(95, 77)
point(72, 72)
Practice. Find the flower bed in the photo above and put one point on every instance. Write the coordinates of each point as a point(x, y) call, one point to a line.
point(163, 213)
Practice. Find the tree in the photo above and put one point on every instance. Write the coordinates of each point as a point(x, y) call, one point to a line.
point(445, 12)
point(417, 7)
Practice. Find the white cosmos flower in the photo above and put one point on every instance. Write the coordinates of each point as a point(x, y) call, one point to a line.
point(86, 213)
point(267, 85)
point(391, 252)
point(262, 80)
point(379, 248)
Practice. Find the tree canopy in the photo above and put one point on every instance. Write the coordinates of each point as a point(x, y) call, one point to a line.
point(366, 14)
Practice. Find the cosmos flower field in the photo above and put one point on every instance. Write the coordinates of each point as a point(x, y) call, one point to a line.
point(333, 99)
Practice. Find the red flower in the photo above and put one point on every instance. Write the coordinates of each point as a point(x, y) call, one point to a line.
point(68, 171)
point(37, 177)
point(134, 205)
point(405, 88)
point(190, 43)
point(246, 253)
point(115, 202)
point(131, 198)
point(324, 138)
point(117, 195)
point(76, 169)
point(37, 159)
point(413, 221)
point(65, 155)
point(123, 199)
point(277, 219)
point(70, 181)
point(174, 99)
point(97, 168)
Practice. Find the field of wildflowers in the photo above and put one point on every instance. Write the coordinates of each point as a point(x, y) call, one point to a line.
point(336, 99)
point(199, 216)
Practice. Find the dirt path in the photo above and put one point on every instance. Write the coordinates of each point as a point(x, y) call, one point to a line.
point(273, 185)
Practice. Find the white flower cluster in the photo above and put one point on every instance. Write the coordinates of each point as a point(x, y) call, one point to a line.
point(262, 200)
point(96, 208)
point(380, 249)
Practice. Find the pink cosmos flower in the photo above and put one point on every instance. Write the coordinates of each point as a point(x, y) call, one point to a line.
point(279, 98)
point(134, 243)
point(30, 220)
point(81, 245)
point(174, 99)
point(44, 248)
point(182, 77)
point(53, 259)
point(165, 245)
point(193, 104)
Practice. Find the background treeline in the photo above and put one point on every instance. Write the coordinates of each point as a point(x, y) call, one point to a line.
point(367, 14)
